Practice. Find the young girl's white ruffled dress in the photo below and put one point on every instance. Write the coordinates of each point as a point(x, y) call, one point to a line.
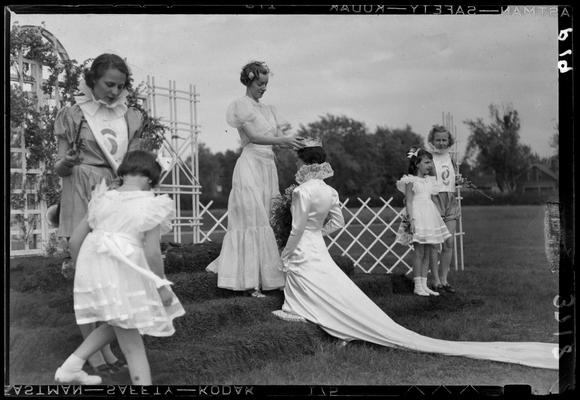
point(113, 282)
point(429, 226)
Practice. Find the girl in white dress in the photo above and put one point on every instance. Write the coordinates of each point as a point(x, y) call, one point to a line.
point(119, 276)
point(425, 224)
point(318, 291)
point(249, 258)
point(93, 136)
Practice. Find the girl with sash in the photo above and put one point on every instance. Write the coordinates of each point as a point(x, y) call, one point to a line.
point(119, 277)
point(93, 137)
point(440, 141)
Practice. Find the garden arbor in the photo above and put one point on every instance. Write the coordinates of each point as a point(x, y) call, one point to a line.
point(42, 78)
point(29, 73)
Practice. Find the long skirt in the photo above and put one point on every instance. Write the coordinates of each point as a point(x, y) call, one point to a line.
point(318, 291)
point(76, 193)
point(249, 257)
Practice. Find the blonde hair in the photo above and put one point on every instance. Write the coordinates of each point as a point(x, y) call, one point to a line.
point(440, 128)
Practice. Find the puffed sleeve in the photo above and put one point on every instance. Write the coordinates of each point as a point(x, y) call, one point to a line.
point(64, 124)
point(336, 219)
point(299, 208)
point(402, 183)
point(242, 114)
point(160, 210)
point(134, 121)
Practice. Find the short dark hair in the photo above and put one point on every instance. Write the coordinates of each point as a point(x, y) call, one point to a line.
point(415, 160)
point(312, 155)
point(254, 67)
point(140, 162)
point(101, 64)
point(439, 128)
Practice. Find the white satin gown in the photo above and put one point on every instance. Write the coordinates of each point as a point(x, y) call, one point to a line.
point(318, 291)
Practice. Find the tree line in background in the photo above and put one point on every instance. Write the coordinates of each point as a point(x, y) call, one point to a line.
point(495, 149)
point(368, 163)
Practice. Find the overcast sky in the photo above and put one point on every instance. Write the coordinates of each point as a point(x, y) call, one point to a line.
point(387, 70)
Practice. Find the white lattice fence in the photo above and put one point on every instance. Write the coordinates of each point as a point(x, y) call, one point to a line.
point(368, 246)
point(367, 238)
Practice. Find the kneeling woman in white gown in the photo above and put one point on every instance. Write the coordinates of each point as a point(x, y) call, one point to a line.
point(319, 292)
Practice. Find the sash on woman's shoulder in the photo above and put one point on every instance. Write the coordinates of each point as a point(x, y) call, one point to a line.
point(91, 109)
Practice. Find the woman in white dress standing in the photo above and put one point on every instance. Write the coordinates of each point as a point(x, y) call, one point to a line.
point(319, 292)
point(249, 258)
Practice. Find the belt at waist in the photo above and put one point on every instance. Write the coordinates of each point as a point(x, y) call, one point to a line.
point(259, 150)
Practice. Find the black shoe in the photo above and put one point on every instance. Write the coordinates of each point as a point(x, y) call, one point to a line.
point(448, 288)
point(118, 366)
point(103, 370)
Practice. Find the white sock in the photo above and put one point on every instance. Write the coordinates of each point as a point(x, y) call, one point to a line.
point(419, 289)
point(73, 363)
point(426, 288)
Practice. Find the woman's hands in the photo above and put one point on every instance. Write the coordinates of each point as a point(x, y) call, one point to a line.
point(294, 141)
point(64, 165)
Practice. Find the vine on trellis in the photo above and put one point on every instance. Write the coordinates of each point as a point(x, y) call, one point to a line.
point(35, 123)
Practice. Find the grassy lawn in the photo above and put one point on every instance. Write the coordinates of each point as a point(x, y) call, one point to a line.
point(505, 293)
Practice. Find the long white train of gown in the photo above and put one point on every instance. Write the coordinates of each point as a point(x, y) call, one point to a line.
point(318, 290)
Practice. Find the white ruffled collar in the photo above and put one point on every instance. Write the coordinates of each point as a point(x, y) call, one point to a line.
point(314, 171)
point(92, 105)
point(432, 149)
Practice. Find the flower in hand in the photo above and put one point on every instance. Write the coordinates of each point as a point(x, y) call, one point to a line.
point(281, 216)
point(72, 157)
point(462, 181)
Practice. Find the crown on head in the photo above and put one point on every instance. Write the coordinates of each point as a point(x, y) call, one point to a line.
point(312, 142)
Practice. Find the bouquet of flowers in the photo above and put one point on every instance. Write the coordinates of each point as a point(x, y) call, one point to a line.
point(404, 235)
point(281, 216)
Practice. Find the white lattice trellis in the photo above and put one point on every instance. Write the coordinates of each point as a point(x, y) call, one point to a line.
point(367, 220)
point(180, 143)
point(29, 231)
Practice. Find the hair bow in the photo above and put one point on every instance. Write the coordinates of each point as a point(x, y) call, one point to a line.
point(251, 75)
point(412, 153)
point(164, 162)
